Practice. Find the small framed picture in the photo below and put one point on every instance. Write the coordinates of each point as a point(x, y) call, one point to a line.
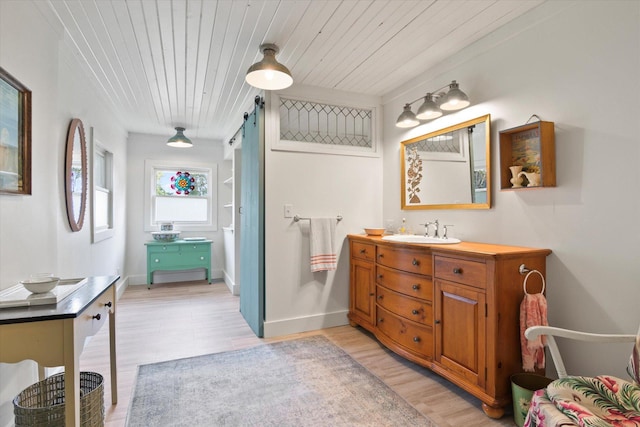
point(15, 136)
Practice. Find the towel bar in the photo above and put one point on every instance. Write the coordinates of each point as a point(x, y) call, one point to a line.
point(299, 218)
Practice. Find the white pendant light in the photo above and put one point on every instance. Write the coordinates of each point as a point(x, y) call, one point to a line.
point(269, 74)
point(179, 140)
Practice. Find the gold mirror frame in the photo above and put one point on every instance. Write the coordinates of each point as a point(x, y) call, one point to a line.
point(411, 168)
point(75, 171)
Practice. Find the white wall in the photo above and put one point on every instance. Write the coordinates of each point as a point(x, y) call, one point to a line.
point(317, 185)
point(575, 64)
point(143, 147)
point(34, 232)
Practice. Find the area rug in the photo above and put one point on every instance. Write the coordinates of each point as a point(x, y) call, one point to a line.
point(304, 382)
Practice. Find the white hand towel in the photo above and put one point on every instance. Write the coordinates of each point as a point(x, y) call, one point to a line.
point(323, 250)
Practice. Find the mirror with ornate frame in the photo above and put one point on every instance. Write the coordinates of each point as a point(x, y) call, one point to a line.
point(76, 174)
point(448, 168)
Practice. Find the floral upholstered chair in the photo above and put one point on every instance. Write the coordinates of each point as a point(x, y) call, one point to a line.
point(586, 401)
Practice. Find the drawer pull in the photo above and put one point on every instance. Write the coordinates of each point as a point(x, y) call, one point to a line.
point(201, 258)
point(108, 304)
point(457, 270)
point(380, 255)
point(97, 316)
point(416, 339)
point(415, 262)
point(380, 320)
point(371, 294)
point(380, 296)
point(415, 287)
point(157, 260)
point(363, 251)
point(437, 322)
point(380, 276)
point(415, 312)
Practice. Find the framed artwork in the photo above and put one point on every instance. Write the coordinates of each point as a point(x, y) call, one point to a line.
point(15, 136)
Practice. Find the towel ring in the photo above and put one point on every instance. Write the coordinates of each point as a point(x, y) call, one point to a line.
point(524, 285)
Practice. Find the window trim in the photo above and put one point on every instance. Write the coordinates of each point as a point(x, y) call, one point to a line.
point(150, 166)
point(101, 233)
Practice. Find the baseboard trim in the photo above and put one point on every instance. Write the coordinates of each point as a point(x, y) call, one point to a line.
point(303, 324)
point(234, 288)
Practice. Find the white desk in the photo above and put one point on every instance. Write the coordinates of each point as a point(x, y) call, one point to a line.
point(54, 335)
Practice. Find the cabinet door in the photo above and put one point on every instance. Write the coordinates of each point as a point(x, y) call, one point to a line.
point(460, 331)
point(362, 303)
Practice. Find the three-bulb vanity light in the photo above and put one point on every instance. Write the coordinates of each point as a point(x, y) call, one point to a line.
point(433, 105)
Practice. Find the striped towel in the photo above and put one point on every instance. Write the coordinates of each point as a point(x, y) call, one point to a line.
point(323, 252)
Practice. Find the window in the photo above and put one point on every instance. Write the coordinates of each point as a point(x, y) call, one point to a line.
point(102, 200)
point(180, 192)
point(319, 127)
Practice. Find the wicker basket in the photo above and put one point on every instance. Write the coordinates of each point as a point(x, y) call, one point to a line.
point(42, 404)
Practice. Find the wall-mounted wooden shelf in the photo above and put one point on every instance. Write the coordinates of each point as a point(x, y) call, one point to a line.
point(531, 146)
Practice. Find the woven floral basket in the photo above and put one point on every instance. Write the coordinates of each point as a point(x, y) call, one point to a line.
point(42, 404)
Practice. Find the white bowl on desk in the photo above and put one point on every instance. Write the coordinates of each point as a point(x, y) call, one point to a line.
point(40, 285)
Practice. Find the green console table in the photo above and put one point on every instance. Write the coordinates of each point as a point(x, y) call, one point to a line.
point(178, 255)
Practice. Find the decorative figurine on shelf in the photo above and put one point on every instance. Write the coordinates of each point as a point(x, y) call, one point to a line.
point(532, 173)
point(516, 181)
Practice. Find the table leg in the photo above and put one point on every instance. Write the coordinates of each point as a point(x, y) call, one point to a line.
point(112, 355)
point(71, 376)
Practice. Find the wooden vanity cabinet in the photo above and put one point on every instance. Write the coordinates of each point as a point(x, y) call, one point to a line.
point(451, 308)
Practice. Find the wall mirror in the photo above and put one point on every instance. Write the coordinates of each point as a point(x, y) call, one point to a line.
point(448, 168)
point(76, 174)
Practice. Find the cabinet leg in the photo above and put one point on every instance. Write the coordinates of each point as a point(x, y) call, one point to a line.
point(352, 323)
point(493, 412)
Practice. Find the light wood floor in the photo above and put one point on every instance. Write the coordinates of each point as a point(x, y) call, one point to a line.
point(180, 320)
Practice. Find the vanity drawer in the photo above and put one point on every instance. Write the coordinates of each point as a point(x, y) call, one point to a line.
point(415, 337)
point(195, 247)
point(472, 273)
point(363, 251)
point(409, 284)
point(159, 249)
point(409, 308)
point(405, 259)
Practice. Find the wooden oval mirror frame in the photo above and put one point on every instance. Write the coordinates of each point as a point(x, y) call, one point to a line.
point(75, 171)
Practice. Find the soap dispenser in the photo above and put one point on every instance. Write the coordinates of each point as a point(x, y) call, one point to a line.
point(403, 227)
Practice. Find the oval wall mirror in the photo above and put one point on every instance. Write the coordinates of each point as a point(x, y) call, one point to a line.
point(448, 168)
point(76, 174)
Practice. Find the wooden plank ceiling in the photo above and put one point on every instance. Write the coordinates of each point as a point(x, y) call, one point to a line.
point(166, 63)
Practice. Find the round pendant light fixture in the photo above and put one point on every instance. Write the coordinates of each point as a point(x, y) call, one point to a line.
point(269, 74)
point(179, 140)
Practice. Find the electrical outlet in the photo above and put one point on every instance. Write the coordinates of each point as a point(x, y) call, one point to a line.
point(288, 211)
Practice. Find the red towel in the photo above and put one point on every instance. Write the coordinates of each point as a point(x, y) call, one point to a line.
point(533, 312)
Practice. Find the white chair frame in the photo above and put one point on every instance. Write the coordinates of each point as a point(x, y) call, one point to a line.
point(551, 332)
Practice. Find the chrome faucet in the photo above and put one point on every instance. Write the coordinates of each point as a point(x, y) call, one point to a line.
point(426, 228)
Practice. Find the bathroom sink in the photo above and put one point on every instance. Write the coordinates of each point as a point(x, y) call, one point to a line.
point(414, 238)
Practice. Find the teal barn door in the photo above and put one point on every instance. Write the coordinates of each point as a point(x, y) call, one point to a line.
point(252, 221)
